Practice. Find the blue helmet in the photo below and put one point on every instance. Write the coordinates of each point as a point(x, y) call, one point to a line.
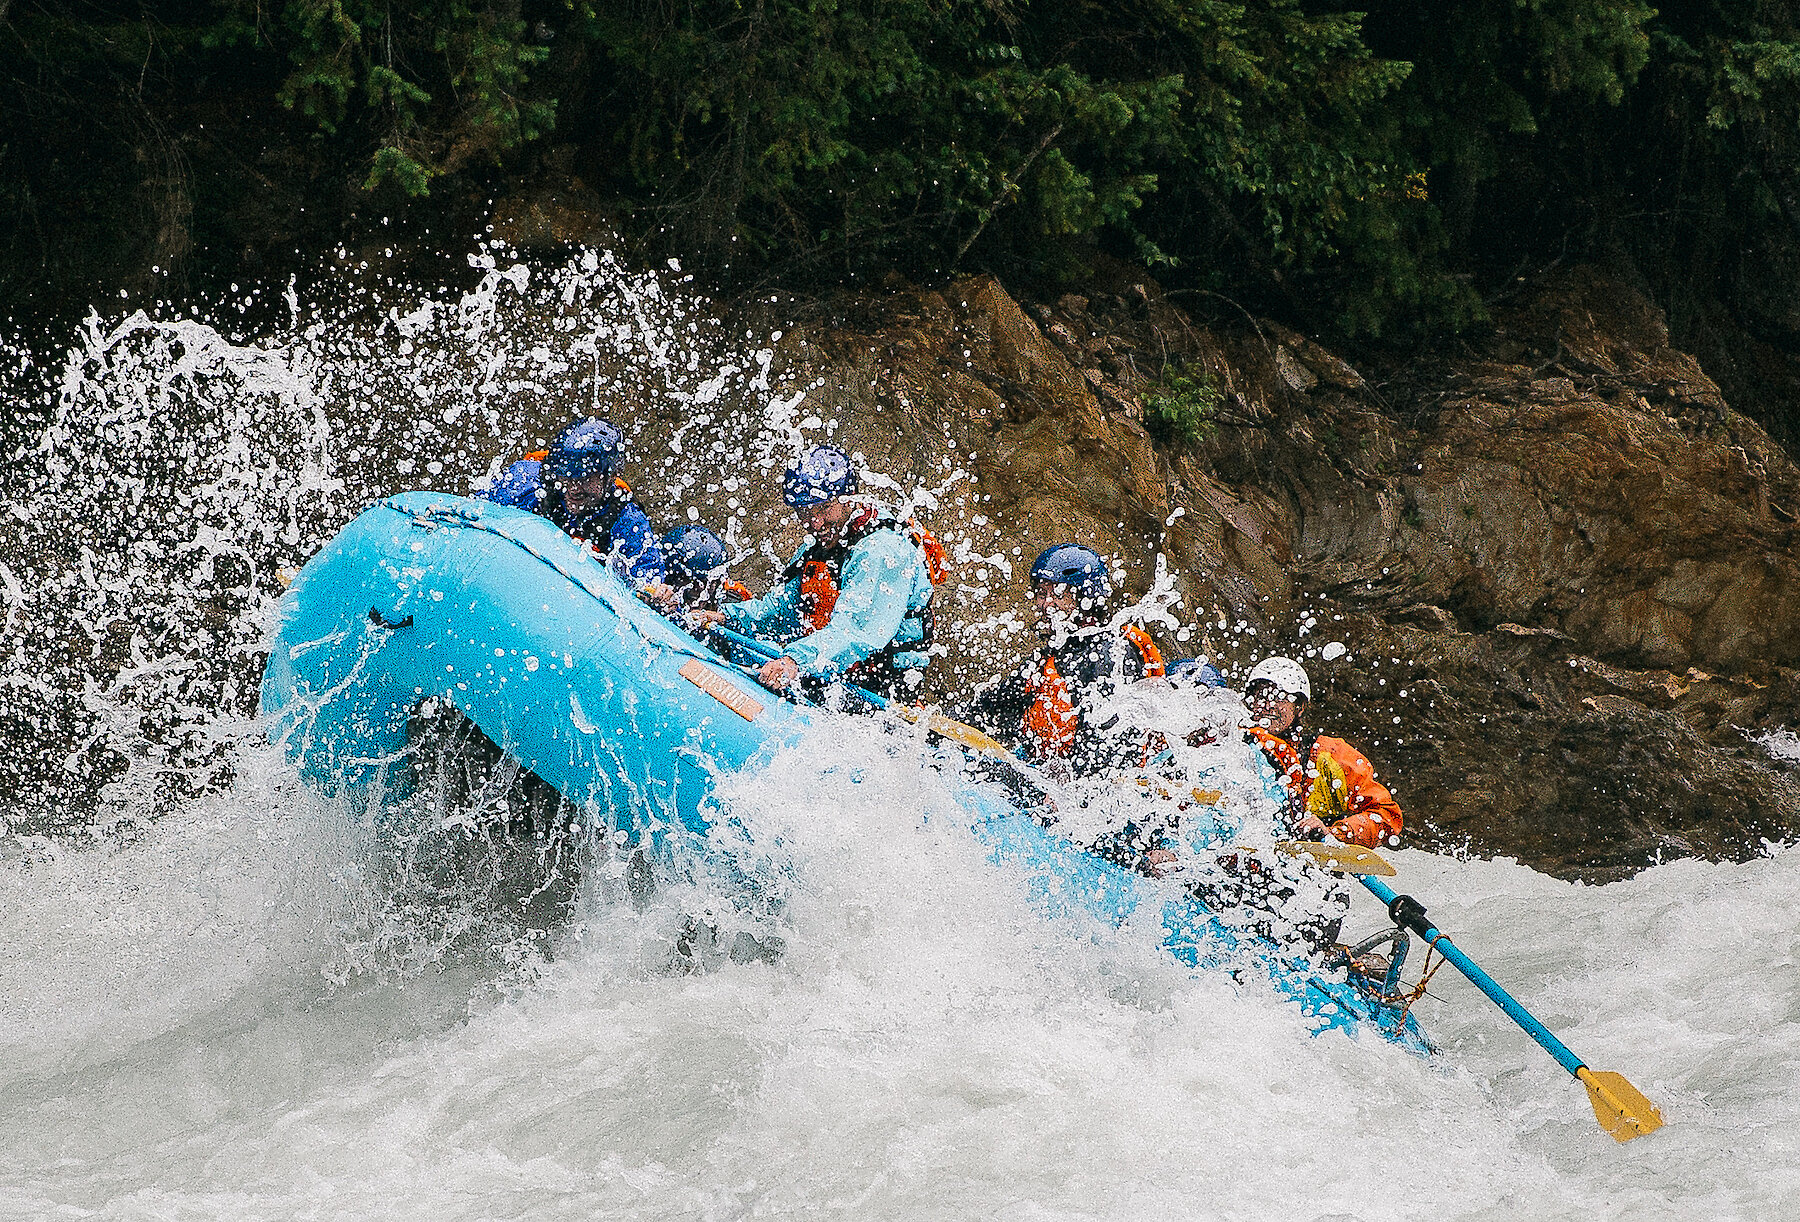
point(1080, 568)
point(589, 446)
point(693, 550)
point(1196, 671)
point(822, 473)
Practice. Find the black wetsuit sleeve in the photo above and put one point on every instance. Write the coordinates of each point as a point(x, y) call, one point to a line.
point(1102, 744)
point(1096, 666)
point(999, 709)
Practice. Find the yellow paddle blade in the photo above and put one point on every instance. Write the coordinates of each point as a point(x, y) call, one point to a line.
point(953, 730)
point(1343, 858)
point(1145, 784)
point(1619, 1106)
point(1206, 797)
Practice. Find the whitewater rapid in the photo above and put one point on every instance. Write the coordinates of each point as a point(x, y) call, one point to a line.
point(189, 1029)
point(213, 1006)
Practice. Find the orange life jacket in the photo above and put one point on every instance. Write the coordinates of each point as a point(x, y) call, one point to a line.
point(538, 456)
point(1336, 782)
point(818, 592)
point(1153, 659)
point(820, 570)
point(1286, 758)
point(1050, 717)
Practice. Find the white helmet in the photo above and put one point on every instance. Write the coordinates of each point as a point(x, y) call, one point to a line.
point(1284, 673)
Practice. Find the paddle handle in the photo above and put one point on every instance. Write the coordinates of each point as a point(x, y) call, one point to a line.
point(1409, 913)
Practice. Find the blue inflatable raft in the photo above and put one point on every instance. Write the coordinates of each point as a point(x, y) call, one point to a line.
point(526, 633)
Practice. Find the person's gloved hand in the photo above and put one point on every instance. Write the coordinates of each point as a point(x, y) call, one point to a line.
point(1158, 862)
point(662, 597)
point(1311, 828)
point(778, 674)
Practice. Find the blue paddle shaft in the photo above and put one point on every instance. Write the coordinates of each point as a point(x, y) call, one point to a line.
point(1480, 979)
point(759, 648)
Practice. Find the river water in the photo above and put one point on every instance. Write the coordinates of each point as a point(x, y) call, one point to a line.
point(212, 1007)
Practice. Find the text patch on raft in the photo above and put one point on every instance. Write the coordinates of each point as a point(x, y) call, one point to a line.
point(716, 686)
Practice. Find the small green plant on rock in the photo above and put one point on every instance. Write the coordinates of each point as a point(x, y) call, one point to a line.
point(1180, 408)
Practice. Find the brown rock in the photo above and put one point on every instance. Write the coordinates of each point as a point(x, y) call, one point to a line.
point(1580, 593)
point(1295, 374)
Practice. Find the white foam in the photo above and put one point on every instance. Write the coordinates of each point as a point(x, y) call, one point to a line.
point(927, 1047)
point(1782, 744)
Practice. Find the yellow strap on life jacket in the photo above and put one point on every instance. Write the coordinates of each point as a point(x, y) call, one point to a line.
point(1329, 798)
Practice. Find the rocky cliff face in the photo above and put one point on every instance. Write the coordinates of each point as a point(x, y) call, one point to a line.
point(1564, 569)
point(1561, 571)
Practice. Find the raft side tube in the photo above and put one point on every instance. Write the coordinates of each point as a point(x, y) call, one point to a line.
point(533, 638)
point(526, 633)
